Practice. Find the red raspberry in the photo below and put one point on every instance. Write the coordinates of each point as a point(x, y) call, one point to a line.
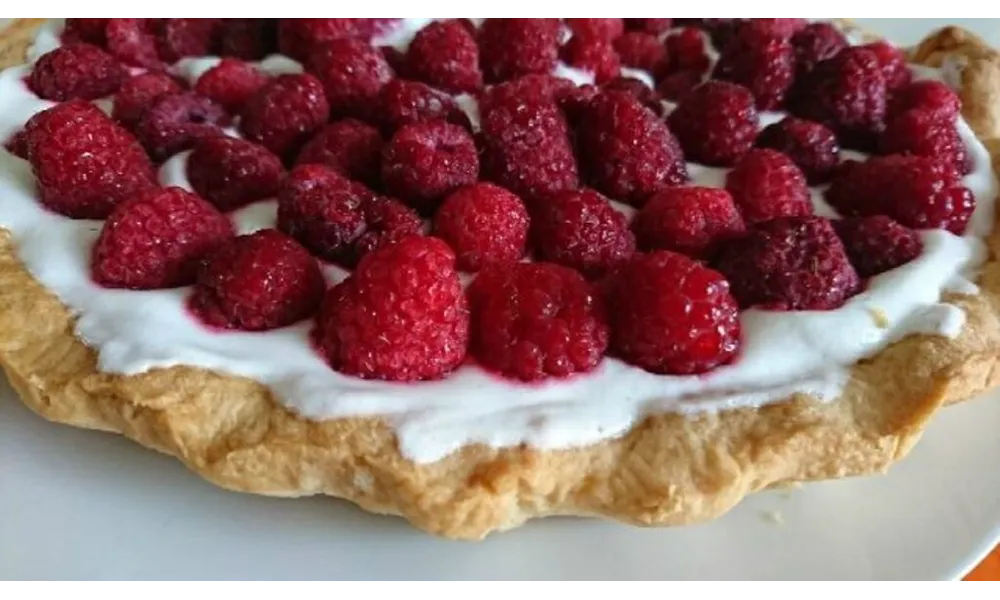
point(847, 94)
point(690, 220)
point(257, 282)
point(642, 51)
point(535, 321)
point(721, 31)
point(84, 163)
point(349, 147)
point(425, 162)
point(137, 93)
point(187, 37)
point(629, 153)
point(284, 113)
point(484, 224)
point(529, 88)
point(300, 38)
point(671, 315)
point(510, 48)
point(877, 244)
point(593, 55)
point(35, 129)
point(231, 173)
point(761, 62)
point(402, 316)
point(338, 219)
point(715, 123)
point(651, 26)
point(231, 83)
point(784, 28)
point(766, 184)
point(580, 229)
point(893, 63)
point(676, 86)
point(649, 97)
point(814, 44)
point(811, 146)
point(444, 54)
point(133, 41)
point(792, 263)
point(403, 102)
point(926, 95)
point(156, 240)
point(89, 31)
point(17, 144)
point(917, 191)
point(353, 73)
point(176, 122)
point(76, 71)
point(605, 29)
point(926, 133)
point(686, 50)
point(248, 39)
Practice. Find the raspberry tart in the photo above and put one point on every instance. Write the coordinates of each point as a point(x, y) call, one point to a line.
point(475, 272)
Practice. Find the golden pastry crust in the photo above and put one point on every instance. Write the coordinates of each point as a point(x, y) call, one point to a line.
point(668, 470)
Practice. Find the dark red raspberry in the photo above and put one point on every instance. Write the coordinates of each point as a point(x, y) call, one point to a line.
point(444, 54)
point(651, 26)
point(846, 93)
point(403, 102)
point(690, 220)
point(425, 162)
point(671, 315)
point(605, 29)
point(642, 51)
point(84, 163)
point(231, 83)
point(721, 31)
point(35, 128)
point(535, 321)
point(353, 73)
point(893, 63)
point(231, 173)
point(529, 88)
point(917, 191)
point(766, 184)
point(814, 44)
point(157, 240)
point(89, 31)
point(257, 282)
point(676, 86)
point(338, 219)
point(137, 93)
point(926, 133)
point(510, 48)
point(176, 122)
point(299, 38)
point(686, 51)
point(784, 28)
point(17, 144)
point(580, 229)
point(187, 37)
point(715, 123)
point(484, 224)
point(76, 71)
point(792, 263)
point(811, 146)
point(877, 244)
point(133, 41)
point(402, 316)
point(350, 147)
point(649, 97)
point(763, 63)
point(927, 95)
point(248, 39)
point(593, 55)
point(285, 113)
point(628, 152)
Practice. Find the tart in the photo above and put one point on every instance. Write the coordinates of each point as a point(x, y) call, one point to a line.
point(515, 268)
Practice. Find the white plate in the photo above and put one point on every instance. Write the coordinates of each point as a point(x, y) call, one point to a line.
point(87, 505)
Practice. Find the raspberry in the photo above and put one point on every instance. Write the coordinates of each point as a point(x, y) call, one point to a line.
point(402, 316)
point(156, 240)
point(671, 315)
point(926, 133)
point(84, 163)
point(689, 220)
point(766, 184)
point(814, 44)
point(535, 321)
point(593, 55)
point(248, 39)
point(510, 48)
point(529, 88)
point(349, 147)
point(76, 71)
point(403, 102)
point(187, 37)
point(715, 123)
point(721, 31)
point(133, 41)
point(425, 162)
point(686, 50)
point(893, 63)
point(284, 113)
point(580, 229)
point(628, 152)
point(650, 26)
point(676, 86)
point(396, 60)
point(137, 93)
point(877, 244)
point(926, 95)
point(338, 219)
point(176, 122)
point(847, 94)
point(230, 83)
point(605, 29)
point(299, 38)
point(784, 28)
point(88, 31)
point(353, 73)
point(763, 63)
point(642, 51)
point(484, 224)
point(444, 54)
point(792, 263)
point(257, 282)
point(17, 144)
point(811, 146)
point(917, 191)
point(573, 100)
point(231, 173)
point(35, 129)
point(649, 97)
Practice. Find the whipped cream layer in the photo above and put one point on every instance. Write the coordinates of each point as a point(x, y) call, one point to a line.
point(783, 352)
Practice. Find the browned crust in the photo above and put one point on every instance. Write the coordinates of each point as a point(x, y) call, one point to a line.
point(668, 470)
